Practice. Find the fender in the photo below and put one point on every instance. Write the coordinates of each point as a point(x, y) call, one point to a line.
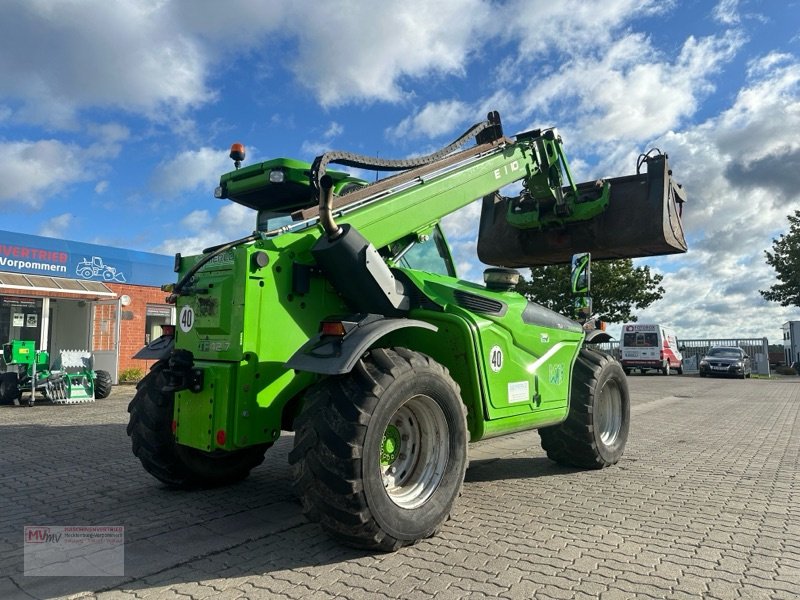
point(337, 355)
point(597, 337)
point(159, 348)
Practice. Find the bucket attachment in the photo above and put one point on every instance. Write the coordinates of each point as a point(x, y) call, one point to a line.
point(642, 217)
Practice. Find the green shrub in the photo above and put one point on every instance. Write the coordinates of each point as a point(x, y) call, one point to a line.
point(785, 371)
point(131, 375)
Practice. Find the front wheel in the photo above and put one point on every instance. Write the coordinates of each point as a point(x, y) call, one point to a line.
point(150, 430)
point(380, 453)
point(596, 429)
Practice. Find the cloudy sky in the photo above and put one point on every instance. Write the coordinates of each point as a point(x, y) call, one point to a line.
point(116, 117)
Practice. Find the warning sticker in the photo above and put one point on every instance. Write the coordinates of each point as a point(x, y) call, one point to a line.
point(518, 391)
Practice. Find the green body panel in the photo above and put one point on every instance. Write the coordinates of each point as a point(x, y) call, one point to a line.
point(242, 352)
point(529, 386)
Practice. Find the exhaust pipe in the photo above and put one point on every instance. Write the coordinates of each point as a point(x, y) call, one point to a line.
point(332, 230)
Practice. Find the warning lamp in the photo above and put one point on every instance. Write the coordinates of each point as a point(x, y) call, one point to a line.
point(332, 328)
point(237, 154)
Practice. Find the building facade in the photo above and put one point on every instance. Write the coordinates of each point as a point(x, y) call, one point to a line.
point(791, 342)
point(67, 295)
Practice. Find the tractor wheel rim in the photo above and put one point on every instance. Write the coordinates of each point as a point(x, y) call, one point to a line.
point(609, 413)
point(417, 442)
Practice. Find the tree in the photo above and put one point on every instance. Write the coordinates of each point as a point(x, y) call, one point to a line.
point(617, 288)
point(785, 259)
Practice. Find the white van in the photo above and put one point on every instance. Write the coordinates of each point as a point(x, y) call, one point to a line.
point(646, 346)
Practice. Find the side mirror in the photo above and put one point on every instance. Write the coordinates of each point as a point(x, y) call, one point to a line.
point(580, 283)
point(581, 275)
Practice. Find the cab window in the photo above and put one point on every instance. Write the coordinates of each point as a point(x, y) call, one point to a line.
point(431, 254)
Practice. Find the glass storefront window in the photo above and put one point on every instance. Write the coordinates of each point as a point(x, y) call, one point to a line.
point(157, 315)
point(20, 319)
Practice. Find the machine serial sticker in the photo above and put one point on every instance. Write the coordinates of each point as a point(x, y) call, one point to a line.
point(556, 373)
point(518, 391)
point(496, 358)
point(186, 319)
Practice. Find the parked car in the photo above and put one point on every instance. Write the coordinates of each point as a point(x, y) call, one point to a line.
point(726, 360)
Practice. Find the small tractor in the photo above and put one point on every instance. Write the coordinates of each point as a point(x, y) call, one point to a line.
point(71, 380)
point(342, 319)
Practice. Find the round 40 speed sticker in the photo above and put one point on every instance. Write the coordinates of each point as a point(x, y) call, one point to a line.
point(496, 358)
point(186, 319)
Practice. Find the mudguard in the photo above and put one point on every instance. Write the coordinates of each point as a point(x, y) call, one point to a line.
point(597, 337)
point(335, 355)
point(159, 348)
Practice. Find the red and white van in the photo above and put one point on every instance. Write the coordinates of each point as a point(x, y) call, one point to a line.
point(646, 346)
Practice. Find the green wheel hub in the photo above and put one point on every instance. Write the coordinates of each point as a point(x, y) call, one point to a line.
point(390, 446)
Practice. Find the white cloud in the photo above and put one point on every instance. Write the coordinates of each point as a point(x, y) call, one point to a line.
point(59, 57)
point(351, 51)
point(232, 221)
point(727, 12)
point(325, 141)
point(435, 119)
point(57, 226)
point(191, 170)
point(101, 187)
point(32, 170)
point(631, 93)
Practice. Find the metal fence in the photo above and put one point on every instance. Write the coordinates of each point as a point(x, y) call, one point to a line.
point(694, 350)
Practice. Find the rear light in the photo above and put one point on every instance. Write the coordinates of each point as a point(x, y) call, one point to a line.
point(332, 328)
point(221, 437)
point(661, 355)
point(168, 330)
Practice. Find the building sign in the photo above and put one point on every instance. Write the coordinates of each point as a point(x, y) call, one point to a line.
point(159, 310)
point(36, 255)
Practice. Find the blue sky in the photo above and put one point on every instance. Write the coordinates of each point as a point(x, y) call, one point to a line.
point(116, 117)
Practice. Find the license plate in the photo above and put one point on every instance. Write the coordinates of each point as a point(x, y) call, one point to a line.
point(720, 368)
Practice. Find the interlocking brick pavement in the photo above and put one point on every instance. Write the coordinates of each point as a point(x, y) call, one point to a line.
point(704, 504)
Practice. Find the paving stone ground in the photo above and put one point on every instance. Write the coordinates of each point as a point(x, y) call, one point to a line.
point(704, 504)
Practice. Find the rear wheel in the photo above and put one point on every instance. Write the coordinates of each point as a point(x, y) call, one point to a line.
point(102, 384)
point(380, 453)
point(680, 368)
point(596, 430)
point(666, 369)
point(150, 430)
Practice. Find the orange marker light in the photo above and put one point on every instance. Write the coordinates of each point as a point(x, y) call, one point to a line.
point(333, 328)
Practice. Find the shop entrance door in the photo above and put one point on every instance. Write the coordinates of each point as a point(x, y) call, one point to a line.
point(105, 336)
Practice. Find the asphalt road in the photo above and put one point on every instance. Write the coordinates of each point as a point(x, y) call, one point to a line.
point(704, 504)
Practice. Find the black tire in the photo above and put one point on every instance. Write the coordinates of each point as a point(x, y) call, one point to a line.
point(366, 438)
point(102, 384)
point(596, 429)
point(150, 430)
point(9, 387)
point(666, 369)
point(680, 368)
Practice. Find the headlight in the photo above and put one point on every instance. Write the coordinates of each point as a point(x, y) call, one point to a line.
point(703, 363)
point(738, 364)
point(277, 176)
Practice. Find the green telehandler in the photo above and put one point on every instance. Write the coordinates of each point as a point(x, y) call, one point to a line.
point(341, 319)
